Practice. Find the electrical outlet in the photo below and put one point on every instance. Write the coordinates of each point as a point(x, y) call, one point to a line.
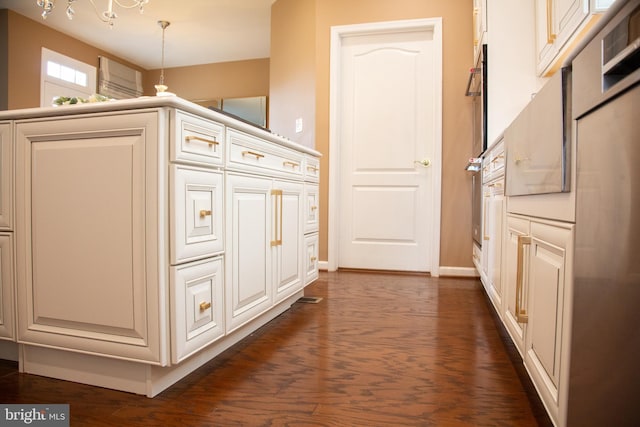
point(299, 125)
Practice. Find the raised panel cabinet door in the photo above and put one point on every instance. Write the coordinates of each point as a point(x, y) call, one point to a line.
point(197, 306)
point(311, 208)
point(7, 286)
point(87, 248)
point(286, 250)
point(494, 264)
point(515, 283)
point(197, 213)
point(248, 259)
point(310, 258)
point(6, 177)
point(549, 289)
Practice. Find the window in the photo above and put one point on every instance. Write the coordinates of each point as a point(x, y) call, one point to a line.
point(65, 76)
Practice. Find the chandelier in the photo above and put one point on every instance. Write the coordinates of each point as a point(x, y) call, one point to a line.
point(107, 15)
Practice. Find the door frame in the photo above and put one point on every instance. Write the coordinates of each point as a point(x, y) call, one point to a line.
point(338, 34)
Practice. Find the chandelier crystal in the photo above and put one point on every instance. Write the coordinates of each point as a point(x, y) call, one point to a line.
point(107, 16)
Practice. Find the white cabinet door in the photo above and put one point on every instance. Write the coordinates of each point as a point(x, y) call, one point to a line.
point(516, 280)
point(248, 261)
point(6, 177)
point(7, 286)
point(310, 258)
point(197, 213)
point(86, 235)
point(550, 275)
point(311, 207)
point(197, 306)
point(494, 244)
point(287, 252)
point(558, 22)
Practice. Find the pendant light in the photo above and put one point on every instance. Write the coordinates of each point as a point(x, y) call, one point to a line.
point(161, 88)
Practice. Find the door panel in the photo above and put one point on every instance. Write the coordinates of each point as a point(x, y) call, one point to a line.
point(387, 122)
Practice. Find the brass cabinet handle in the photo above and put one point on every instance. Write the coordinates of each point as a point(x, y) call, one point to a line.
point(197, 138)
point(475, 24)
point(313, 259)
point(312, 169)
point(484, 218)
point(292, 164)
point(521, 313)
point(204, 306)
point(277, 218)
point(551, 37)
point(252, 153)
point(204, 213)
point(313, 208)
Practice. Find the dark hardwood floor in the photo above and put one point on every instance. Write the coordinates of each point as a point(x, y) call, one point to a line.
point(378, 350)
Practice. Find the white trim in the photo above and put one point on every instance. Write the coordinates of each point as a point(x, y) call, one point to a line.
point(338, 33)
point(458, 272)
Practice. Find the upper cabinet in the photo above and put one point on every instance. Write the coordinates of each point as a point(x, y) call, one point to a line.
point(479, 25)
point(559, 25)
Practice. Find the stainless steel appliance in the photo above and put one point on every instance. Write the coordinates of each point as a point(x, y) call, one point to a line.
point(605, 340)
point(477, 88)
point(539, 140)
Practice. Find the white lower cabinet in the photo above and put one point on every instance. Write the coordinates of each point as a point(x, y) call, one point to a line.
point(7, 312)
point(265, 229)
point(311, 258)
point(86, 246)
point(197, 306)
point(141, 250)
point(538, 312)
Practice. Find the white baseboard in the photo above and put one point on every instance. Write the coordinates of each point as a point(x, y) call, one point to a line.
point(458, 272)
point(444, 271)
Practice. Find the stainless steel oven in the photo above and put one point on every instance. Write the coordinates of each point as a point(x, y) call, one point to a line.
point(477, 89)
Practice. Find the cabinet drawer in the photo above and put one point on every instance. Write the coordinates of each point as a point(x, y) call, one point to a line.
point(196, 306)
point(196, 140)
point(250, 153)
point(197, 213)
point(312, 201)
point(310, 258)
point(312, 169)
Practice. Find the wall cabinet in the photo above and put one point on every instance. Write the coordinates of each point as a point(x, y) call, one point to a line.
point(559, 23)
point(150, 236)
point(538, 311)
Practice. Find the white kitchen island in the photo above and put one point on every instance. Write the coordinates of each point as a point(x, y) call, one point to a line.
point(150, 235)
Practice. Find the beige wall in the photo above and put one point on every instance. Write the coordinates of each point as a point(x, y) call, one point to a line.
point(457, 58)
point(26, 38)
point(214, 81)
point(293, 67)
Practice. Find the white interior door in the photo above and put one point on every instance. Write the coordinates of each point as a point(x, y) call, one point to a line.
point(388, 112)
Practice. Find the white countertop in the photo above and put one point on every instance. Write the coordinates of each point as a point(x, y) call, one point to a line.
point(146, 102)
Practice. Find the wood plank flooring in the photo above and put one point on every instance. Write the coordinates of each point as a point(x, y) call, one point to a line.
point(378, 350)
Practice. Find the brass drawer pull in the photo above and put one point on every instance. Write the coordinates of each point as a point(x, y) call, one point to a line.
point(312, 169)
point(292, 164)
point(252, 153)
point(197, 138)
point(313, 208)
point(204, 306)
point(204, 213)
point(313, 259)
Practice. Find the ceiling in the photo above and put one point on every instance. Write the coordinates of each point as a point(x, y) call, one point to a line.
point(200, 31)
